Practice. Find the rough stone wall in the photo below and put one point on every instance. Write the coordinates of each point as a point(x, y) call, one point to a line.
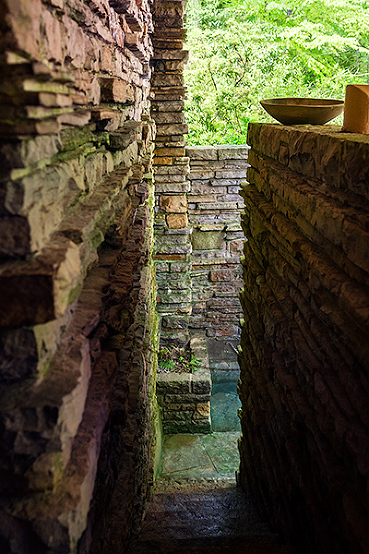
point(171, 169)
point(214, 213)
point(76, 309)
point(198, 232)
point(305, 342)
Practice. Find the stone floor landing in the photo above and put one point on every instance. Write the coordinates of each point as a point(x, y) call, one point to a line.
point(205, 518)
point(209, 456)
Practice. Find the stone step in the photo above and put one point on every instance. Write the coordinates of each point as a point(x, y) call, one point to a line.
point(205, 518)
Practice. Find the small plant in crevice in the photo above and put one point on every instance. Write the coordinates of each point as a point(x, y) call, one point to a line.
point(176, 359)
point(194, 363)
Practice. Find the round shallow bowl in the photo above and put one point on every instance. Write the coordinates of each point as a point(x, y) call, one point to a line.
point(293, 111)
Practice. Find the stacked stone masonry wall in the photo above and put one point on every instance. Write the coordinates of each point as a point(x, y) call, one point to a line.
point(171, 169)
point(76, 290)
point(198, 271)
point(305, 341)
point(214, 213)
point(197, 264)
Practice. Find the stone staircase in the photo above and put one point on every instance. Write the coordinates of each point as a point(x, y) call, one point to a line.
point(204, 517)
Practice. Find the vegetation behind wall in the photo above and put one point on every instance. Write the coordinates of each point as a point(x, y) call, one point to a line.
point(244, 50)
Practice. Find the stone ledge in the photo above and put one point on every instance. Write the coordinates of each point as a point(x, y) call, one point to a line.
point(220, 152)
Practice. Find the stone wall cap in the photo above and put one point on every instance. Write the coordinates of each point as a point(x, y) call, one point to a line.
point(206, 152)
point(174, 377)
point(232, 147)
point(200, 147)
point(233, 152)
point(334, 131)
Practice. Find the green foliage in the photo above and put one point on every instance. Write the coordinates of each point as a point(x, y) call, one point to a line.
point(168, 365)
point(242, 51)
point(176, 359)
point(194, 363)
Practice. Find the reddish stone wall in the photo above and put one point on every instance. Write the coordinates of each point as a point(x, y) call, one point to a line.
point(76, 292)
point(304, 359)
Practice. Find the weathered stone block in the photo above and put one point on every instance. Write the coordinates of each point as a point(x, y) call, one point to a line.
point(212, 227)
point(169, 117)
point(201, 386)
point(221, 206)
point(183, 415)
point(202, 412)
point(169, 152)
point(233, 152)
point(203, 198)
point(209, 240)
point(170, 257)
point(168, 187)
point(171, 129)
point(174, 204)
point(202, 187)
point(164, 238)
point(178, 177)
point(169, 249)
point(179, 267)
point(177, 221)
point(201, 175)
point(116, 90)
point(202, 153)
point(173, 383)
point(168, 80)
point(175, 322)
point(162, 161)
point(221, 275)
point(174, 297)
point(230, 174)
point(170, 171)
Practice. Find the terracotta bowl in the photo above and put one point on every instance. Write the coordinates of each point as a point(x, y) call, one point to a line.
point(293, 111)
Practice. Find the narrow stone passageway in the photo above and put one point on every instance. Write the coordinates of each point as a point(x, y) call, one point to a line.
point(116, 241)
point(197, 506)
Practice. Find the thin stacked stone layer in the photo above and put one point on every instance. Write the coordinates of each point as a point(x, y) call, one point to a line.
point(76, 287)
point(214, 212)
point(171, 169)
point(305, 341)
